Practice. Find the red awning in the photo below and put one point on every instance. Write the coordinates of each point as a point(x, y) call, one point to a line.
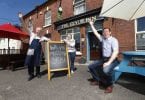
point(10, 31)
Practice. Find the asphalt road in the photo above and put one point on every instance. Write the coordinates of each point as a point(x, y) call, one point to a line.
point(14, 86)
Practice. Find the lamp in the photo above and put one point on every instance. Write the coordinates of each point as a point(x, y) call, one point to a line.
point(47, 8)
point(20, 14)
point(60, 9)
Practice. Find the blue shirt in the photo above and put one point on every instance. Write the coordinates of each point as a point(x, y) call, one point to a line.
point(109, 45)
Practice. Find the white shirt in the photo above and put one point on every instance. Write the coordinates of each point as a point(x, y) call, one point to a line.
point(34, 36)
point(70, 45)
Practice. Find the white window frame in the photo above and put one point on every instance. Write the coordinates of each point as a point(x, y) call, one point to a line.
point(47, 20)
point(67, 31)
point(77, 5)
point(136, 33)
point(30, 25)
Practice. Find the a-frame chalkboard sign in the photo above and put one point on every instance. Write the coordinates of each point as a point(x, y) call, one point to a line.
point(57, 57)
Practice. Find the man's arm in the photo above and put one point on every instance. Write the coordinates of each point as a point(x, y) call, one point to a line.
point(94, 30)
point(23, 23)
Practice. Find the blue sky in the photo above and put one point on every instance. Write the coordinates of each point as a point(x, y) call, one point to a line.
point(9, 9)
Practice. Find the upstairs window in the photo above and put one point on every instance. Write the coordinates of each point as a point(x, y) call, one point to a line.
point(47, 18)
point(30, 25)
point(79, 7)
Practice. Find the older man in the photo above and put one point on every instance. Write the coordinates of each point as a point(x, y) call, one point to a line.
point(34, 52)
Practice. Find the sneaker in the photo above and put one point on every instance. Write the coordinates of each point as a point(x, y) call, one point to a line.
point(72, 71)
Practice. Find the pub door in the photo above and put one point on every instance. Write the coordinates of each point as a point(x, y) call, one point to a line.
point(94, 46)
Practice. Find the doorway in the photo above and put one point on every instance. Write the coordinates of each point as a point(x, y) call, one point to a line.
point(94, 47)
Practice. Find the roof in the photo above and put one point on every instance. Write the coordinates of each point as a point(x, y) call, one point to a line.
point(37, 8)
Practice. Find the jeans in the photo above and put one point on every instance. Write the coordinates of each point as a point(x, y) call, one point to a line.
point(103, 74)
point(72, 59)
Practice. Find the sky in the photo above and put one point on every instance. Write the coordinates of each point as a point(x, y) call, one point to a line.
point(9, 9)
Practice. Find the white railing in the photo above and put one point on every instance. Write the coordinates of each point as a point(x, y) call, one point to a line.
point(9, 51)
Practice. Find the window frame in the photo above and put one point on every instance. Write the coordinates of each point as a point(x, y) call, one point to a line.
point(67, 31)
point(138, 33)
point(30, 25)
point(77, 5)
point(48, 19)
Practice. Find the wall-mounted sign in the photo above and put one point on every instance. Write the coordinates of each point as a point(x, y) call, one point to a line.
point(77, 22)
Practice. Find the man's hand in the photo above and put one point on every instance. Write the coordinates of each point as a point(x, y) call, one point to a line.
point(106, 64)
point(91, 22)
point(64, 40)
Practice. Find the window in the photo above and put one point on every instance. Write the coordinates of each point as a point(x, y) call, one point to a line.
point(30, 25)
point(79, 7)
point(77, 38)
point(76, 32)
point(140, 33)
point(47, 18)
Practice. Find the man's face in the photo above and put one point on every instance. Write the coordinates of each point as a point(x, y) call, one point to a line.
point(106, 33)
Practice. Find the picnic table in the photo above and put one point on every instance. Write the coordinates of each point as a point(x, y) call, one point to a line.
point(126, 66)
point(12, 61)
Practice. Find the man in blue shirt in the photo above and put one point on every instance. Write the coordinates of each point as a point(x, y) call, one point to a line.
point(101, 70)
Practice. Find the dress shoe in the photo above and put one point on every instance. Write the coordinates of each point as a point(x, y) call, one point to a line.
point(38, 76)
point(30, 77)
point(102, 86)
point(109, 89)
point(94, 83)
point(91, 80)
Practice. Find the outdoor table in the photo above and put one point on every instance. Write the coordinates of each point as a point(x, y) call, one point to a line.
point(125, 65)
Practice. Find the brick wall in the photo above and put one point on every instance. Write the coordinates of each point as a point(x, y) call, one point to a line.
point(122, 30)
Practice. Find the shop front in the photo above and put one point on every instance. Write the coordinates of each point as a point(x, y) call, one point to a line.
point(87, 45)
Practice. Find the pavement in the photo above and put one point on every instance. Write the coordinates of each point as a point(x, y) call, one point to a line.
point(14, 86)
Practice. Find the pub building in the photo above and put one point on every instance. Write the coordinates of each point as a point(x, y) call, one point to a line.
point(61, 17)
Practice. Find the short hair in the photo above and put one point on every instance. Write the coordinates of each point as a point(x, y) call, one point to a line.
point(107, 28)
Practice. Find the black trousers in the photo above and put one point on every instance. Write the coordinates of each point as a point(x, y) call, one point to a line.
point(31, 70)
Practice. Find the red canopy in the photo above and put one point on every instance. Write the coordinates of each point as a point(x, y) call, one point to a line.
point(10, 31)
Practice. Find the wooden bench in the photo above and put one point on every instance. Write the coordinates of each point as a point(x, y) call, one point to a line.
point(16, 61)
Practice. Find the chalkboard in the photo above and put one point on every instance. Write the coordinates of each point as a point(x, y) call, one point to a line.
point(57, 57)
